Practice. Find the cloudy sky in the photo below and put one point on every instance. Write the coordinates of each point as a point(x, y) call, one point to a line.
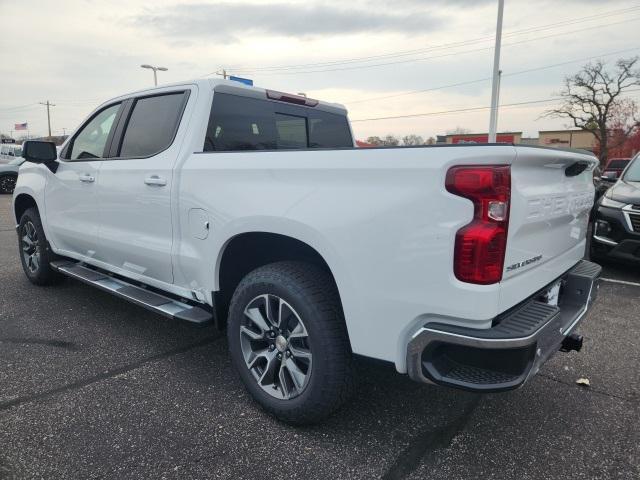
point(379, 58)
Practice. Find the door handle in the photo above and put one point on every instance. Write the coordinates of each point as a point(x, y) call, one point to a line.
point(87, 178)
point(155, 180)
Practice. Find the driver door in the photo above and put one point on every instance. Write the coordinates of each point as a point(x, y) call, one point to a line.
point(71, 204)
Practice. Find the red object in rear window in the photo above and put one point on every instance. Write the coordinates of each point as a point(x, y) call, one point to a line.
point(481, 245)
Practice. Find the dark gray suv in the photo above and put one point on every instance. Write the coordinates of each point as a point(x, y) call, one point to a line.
point(616, 228)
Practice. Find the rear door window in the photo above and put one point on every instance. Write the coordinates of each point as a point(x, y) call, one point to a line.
point(152, 125)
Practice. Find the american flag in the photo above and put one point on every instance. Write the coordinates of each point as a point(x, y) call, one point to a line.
point(21, 126)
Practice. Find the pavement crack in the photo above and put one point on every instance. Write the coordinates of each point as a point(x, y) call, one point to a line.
point(40, 341)
point(105, 375)
point(429, 442)
point(590, 389)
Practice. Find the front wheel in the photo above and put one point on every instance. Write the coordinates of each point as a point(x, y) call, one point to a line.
point(35, 253)
point(7, 184)
point(289, 343)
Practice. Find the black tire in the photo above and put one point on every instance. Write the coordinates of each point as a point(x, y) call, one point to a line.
point(38, 272)
point(312, 294)
point(7, 183)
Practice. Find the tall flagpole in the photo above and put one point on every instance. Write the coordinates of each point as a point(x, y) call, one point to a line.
point(495, 82)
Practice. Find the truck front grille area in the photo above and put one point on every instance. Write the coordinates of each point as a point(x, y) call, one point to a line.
point(635, 221)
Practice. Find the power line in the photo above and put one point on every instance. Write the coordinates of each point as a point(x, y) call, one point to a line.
point(480, 80)
point(442, 112)
point(470, 109)
point(19, 107)
point(357, 67)
point(240, 69)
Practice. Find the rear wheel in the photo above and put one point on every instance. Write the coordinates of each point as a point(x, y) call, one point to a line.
point(8, 183)
point(289, 343)
point(35, 254)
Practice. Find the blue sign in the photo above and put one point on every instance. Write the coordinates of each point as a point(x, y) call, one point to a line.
point(246, 81)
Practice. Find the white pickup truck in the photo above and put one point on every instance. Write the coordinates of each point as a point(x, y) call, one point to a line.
point(214, 201)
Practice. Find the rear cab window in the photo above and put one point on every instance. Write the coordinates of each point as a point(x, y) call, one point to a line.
point(245, 123)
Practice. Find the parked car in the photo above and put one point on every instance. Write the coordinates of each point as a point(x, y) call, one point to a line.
point(614, 168)
point(616, 230)
point(9, 152)
point(9, 175)
point(215, 201)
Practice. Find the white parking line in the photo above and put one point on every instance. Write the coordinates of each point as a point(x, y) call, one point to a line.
point(623, 282)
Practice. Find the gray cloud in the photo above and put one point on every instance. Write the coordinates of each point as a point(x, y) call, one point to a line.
point(228, 21)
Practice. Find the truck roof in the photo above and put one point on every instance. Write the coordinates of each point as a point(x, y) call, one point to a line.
point(234, 88)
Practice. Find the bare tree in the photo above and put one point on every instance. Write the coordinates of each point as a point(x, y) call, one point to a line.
point(458, 131)
point(410, 140)
point(387, 141)
point(593, 100)
point(391, 141)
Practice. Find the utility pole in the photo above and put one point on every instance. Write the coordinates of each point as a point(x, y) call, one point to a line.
point(223, 73)
point(48, 104)
point(495, 82)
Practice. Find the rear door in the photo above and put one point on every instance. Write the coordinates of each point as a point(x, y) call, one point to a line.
point(71, 202)
point(134, 189)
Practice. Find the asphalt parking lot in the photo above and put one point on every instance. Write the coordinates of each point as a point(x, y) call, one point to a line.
point(92, 387)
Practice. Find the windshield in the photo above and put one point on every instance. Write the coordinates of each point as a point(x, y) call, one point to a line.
point(633, 172)
point(618, 164)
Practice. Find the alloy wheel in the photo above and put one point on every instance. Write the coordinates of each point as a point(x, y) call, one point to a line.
point(7, 184)
point(275, 346)
point(30, 247)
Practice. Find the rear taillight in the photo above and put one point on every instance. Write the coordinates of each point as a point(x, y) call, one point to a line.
point(481, 245)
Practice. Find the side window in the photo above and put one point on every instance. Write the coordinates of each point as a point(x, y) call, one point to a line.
point(240, 123)
point(292, 131)
point(329, 130)
point(152, 125)
point(92, 139)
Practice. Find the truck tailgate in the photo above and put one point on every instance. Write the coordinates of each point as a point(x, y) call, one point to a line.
point(548, 221)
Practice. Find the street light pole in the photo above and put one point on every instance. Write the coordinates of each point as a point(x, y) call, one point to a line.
point(155, 70)
point(495, 82)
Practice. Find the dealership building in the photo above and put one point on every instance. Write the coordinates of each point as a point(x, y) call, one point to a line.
point(546, 138)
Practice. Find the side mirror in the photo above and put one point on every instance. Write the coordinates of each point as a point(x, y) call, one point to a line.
point(39, 152)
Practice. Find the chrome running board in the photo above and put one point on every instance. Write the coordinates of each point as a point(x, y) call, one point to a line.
point(140, 296)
